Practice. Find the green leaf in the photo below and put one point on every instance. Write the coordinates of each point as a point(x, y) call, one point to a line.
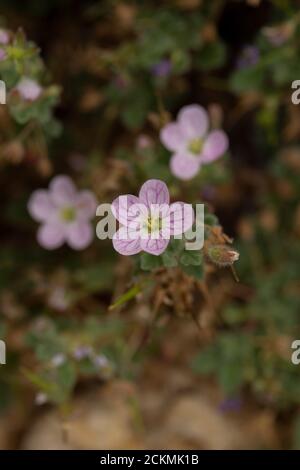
point(171, 256)
point(230, 376)
point(211, 56)
point(211, 219)
point(39, 382)
point(191, 258)
point(248, 79)
point(66, 376)
point(169, 259)
point(206, 362)
point(150, 262)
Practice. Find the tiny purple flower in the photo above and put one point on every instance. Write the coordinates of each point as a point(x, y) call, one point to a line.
point(248, 57)
point(82, 352)
point(4, 36)
point(64, 213)
point(162, 68)
point(77, 162)
point(231, 404)
point(209, 192)
point(148, 221)
point(191, 142)
point(29, 89)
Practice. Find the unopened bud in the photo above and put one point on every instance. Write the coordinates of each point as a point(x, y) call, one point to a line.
point(222, 255)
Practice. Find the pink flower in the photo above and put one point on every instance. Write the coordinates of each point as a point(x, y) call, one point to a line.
point(144, 142)
point(4, 36)
point(29, 89)
point(64, 213)
point(191, 142)
point(148, 221)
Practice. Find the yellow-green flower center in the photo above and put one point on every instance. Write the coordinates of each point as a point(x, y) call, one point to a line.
point(153, 224)
point(195, 146)
point(68, 214)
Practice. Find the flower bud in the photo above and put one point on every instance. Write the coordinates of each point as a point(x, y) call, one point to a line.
point(222, 255)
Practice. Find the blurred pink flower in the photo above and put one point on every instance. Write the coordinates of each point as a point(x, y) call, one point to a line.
point(143, 142)
point(65, 214)
point(4, 36)
point(58, 299)
point(191, 142)
point(29, 89)
point(279, 34)
point(149, 220)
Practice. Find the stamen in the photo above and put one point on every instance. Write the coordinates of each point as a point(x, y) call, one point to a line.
point(68, 214)
point(195, 146)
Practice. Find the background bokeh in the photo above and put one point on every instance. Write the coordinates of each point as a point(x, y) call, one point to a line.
point(102, 354)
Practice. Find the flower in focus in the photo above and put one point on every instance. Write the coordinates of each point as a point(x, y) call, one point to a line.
point(248, 57)
point(162, 68)
point(29, 89)
point(148, 221)
point(64, 213)
point(191, 142)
